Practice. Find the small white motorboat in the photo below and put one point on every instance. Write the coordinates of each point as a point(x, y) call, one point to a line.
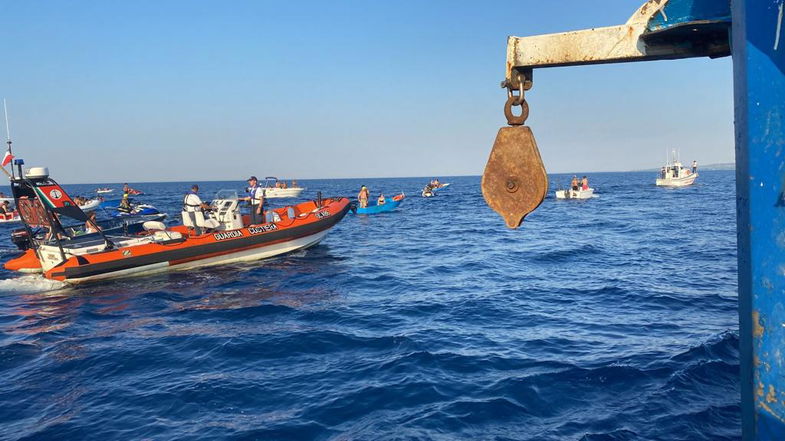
point(91, 204)
point(104, 190)
point(673, 174)
point(271, 191)
point(575, 194)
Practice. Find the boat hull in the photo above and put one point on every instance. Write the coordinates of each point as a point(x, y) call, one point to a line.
point(390, 205)
point(677, 182)
point(575, 194)
point(249, 255)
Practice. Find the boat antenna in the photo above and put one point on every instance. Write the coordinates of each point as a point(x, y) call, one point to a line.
point(8, 138)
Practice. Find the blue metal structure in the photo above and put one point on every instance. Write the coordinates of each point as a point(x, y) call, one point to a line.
point(759, 90)
point(752, 32)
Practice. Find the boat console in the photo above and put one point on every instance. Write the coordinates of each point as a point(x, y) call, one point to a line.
point(225, 211)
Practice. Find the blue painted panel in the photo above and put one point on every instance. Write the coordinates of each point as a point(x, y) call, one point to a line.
point(759, 83)
point(681, 12)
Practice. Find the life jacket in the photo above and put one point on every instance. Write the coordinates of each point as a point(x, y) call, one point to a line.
point(252, 195)
point(190, 207)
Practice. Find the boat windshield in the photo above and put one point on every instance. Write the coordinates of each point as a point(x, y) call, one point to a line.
point(226, 194)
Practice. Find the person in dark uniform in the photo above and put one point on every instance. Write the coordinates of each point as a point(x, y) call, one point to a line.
point(256, 200)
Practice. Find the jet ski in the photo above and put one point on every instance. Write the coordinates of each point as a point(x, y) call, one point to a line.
point(113, 207)
point(221, 235)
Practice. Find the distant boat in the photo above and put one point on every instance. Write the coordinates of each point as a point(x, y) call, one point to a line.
point(673, 174)
point(272, 192)
point(91, 204)
point(104, 190)
point(575, 194)
point(389, 205)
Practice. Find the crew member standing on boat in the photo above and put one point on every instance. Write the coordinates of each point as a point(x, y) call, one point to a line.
point(574, 183)
point(694, 166)
point(192, 204)
point(585, 183)
point(362, 196)
point(256, 199)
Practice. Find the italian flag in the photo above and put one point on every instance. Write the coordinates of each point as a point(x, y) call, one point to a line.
point(7, 158)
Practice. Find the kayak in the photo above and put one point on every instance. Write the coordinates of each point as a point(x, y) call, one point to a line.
point(390, 205)
point(219, 236)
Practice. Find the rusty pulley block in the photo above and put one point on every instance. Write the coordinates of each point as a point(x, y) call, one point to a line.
point(514, 182)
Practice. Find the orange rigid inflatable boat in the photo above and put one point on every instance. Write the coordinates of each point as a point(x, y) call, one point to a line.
point(226, 236)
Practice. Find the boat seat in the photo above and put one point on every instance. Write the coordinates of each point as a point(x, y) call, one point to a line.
point(153, 226)
point(211, 223)
point(193, 219)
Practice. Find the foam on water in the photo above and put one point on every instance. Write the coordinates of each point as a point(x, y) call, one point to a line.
point(29, 284)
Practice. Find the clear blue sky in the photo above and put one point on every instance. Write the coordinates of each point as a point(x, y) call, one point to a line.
point(180, 90)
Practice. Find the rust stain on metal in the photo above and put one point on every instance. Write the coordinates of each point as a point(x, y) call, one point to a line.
point(771, 397)
point(757, 329)
point(514, 182)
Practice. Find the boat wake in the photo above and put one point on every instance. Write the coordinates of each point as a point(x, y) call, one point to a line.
point(29, 284)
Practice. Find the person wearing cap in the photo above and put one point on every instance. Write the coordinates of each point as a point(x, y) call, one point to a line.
point(256, 199)
point(362, 196)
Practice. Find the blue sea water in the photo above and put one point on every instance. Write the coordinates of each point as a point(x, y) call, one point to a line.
point(608, 319)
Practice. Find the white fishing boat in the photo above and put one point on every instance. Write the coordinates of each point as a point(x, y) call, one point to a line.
point(575, 194)
point(272, 191)
point(674, 174)
point(104, 190)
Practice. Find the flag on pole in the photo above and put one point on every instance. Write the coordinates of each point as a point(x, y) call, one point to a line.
point(7, 158)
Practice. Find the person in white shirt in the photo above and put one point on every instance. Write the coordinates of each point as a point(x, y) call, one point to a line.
point(193, 204)
point(256, 199)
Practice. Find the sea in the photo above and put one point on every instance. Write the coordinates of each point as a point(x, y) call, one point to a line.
point(613, 318)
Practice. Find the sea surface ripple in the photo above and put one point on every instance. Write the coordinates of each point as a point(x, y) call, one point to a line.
point(613, 318)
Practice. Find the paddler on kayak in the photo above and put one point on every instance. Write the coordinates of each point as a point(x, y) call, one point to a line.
point(363, 196)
